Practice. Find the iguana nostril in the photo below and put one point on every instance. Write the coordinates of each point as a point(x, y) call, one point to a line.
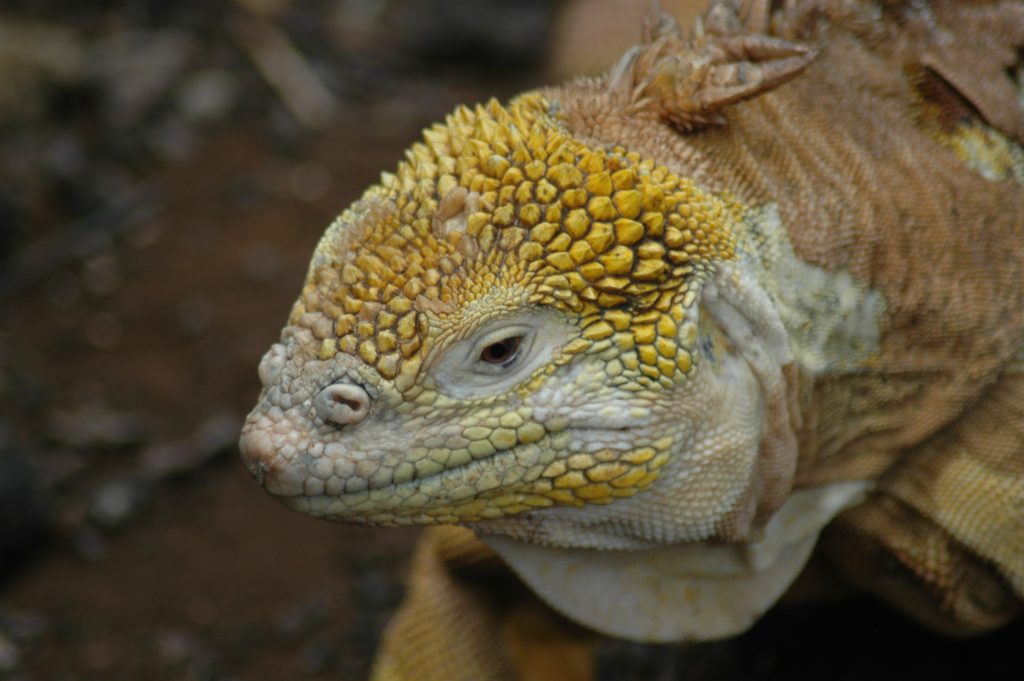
point(342, 404)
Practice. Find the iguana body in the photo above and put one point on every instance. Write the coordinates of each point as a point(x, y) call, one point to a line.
point(651, 334)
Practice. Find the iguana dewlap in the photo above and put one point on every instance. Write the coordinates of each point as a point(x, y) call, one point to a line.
point(656, 336)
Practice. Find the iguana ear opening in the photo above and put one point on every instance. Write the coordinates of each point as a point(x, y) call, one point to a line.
point(690, 81)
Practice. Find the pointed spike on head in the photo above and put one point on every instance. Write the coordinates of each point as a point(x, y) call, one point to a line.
point(722, 17)
point(659, 24)
point(759, 16)
point(689, 84)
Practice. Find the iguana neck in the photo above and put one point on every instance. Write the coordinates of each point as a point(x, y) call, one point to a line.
point(832, 321)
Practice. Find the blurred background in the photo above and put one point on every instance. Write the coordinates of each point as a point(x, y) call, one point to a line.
point(165, 171)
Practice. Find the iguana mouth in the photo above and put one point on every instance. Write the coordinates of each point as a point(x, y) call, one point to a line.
point(444, 493)
point(525, 477)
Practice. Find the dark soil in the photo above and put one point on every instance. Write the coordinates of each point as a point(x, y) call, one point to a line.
point(158, 204)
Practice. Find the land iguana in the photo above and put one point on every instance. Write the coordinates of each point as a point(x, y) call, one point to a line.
point(657, 337)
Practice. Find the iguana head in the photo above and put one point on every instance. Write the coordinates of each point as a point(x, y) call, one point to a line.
point(508, 330)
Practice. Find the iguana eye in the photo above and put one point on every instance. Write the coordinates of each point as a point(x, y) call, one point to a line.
point(502, 353)
point(499, 352)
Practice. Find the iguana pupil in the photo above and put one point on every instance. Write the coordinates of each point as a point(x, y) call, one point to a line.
point(503, 352)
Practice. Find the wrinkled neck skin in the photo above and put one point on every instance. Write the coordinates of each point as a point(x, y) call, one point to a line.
point(705, 557)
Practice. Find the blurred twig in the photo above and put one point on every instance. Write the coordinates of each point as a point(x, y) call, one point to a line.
point(285, 68)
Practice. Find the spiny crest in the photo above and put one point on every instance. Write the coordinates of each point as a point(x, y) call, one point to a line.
point(503, 198)
point(690, 82)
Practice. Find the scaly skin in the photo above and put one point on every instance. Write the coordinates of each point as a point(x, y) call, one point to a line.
point(649, 334)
